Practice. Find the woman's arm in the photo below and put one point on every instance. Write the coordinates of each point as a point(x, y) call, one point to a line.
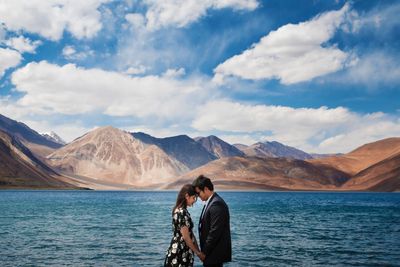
point(193, 246)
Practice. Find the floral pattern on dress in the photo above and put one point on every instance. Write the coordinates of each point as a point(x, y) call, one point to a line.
point(178, 253)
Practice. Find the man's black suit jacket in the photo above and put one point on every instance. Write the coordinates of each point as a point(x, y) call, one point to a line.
point(215, 233)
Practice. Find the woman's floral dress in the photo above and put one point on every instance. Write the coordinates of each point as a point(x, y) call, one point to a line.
point(178, 253)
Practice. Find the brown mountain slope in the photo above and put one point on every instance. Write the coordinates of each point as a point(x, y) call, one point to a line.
point(181, 147)
point(362, 157)
point(263, 173)
point(19, 168)
point(37, 143)
point(111, 155)
point(218, 147)
point(388, 185)
point(382, 176)
point(273, 150)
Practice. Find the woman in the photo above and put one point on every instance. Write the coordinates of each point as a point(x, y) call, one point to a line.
point(183, 244)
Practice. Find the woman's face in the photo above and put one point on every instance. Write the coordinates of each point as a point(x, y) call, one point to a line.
point(190, 200)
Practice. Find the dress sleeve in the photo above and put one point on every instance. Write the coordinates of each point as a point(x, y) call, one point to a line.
point(183, 219)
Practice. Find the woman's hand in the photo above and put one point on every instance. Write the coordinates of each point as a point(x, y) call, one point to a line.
point(193, 246)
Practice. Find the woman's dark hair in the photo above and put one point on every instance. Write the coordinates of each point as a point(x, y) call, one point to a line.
point(181, 200)
point(201, 182)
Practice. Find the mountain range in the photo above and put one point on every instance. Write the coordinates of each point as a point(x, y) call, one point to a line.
point(219, 148)
point(273, 150)
point(110, 158)
point(20, 168)
point(113, 155)
point(36, 142)
point(183, 148)
point(266, 173)
point(53, 137)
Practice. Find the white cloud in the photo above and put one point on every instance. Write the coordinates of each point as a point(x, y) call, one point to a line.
point(237, 117)
point(157, 48)
point(136, 70)
point(23, 44)
point(179, 13)
point(51, 18)
point(137, 20)
point(235, 4)
point(155, 51)
point(373, 69)
point(292, 54)
point(71, 90)
point(321, 130)
point(66, 131)
point(8, 59)
point(9, 109)
point(244, 139)
point(377, 65)
point(368, 131)
point(3, 33)
point(40, 122)
point(174, 73)
point(381, 19)
point(69, 52)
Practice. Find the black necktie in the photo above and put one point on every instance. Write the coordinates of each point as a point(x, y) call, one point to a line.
point(202, 211)
point(201, 216)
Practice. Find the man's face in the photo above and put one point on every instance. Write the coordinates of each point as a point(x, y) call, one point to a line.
point(201, 194)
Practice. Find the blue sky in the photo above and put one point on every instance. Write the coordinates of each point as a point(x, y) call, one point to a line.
point(323, 76)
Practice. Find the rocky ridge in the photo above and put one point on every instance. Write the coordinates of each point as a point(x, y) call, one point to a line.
point(112, 155)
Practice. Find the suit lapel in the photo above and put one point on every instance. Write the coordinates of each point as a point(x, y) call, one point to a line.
point(203, 212)
point(210, 202)
point(205, 209)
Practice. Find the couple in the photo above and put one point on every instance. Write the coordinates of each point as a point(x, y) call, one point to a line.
point(214, 229)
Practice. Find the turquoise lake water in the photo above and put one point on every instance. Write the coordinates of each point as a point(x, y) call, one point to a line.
point(120, 228)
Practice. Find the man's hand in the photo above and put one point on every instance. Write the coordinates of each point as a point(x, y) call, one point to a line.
point(201, 256)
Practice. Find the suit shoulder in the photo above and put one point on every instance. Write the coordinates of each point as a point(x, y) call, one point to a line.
point(218, 205)
point(219, 199)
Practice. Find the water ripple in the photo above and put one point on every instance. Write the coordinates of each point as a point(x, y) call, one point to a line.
point(78, 228)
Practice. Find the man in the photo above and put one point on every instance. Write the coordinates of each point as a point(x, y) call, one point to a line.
point(214, 227)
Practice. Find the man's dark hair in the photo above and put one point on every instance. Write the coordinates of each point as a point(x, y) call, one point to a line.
point(201, 182)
